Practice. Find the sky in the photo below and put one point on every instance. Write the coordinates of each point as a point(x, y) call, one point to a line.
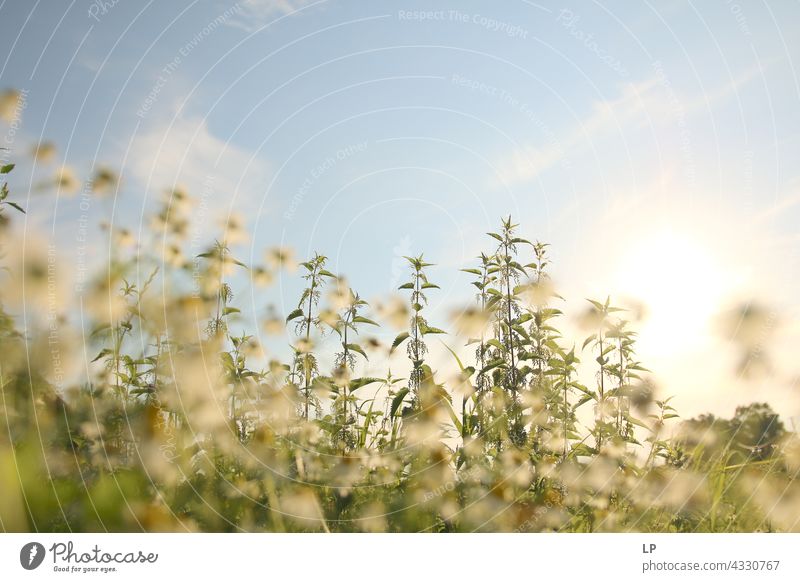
point(653, 145)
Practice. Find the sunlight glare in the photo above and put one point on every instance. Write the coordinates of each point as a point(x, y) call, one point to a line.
point(681, 284)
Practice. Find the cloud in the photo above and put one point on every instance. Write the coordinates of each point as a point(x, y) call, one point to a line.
point(527, 162)
point(253, 14)
point(187, 154)
point(732, 87)
point(652, 101)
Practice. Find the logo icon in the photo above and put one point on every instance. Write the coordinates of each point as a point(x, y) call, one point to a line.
point(31, 555)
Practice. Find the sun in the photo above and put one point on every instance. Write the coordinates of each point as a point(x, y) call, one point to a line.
point(680, 283)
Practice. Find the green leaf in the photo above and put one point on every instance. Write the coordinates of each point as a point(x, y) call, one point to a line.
point(362, 438)
point(583, 450)
point(358, 349)
point(406, 286)
point(103, 352)
point(357, 383)
point(430, 286)
point(229, 310)
point(397, 401)
point(324, 383)
point(453, 416)
point(492, 365)
point(399, 340)
point(294, 315)
point(458, 360)
point(227, 362)
point(496, 344)
point(359, 319)
point(599, 306)
point(493, 301)
point(425, 329)
point(6, 169)
point(17, 206)
point(635, 421)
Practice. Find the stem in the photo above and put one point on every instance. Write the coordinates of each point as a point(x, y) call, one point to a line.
point(481, 354)
point(566, 412)
point(345, 404)
point(415, 329)
point(619, 388)
point(602, 393)
point(309, 319)
point(508, 322)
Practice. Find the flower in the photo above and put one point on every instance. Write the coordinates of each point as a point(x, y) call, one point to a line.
point(45, 152)
point(10, 104)
point(66, 182)
point(105, 180)
point(278, 257)
point(234, 229)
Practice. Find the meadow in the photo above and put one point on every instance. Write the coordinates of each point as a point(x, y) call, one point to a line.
point(153, 412)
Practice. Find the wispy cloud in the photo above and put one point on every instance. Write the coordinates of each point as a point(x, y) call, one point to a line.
point(187, 154)
point(652, 101)
point(528, 161)
point(253, 14)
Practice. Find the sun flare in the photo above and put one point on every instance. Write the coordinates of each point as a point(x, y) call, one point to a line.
point(680, 284)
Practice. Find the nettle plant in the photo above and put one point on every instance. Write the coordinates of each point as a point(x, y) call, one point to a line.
point(542, 347)
point(345, 424)
point(507, 349)
point(305, 365)
point(613, 346)
point(414, 338)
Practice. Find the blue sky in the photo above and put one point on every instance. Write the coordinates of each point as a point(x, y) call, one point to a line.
point(368, 130)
